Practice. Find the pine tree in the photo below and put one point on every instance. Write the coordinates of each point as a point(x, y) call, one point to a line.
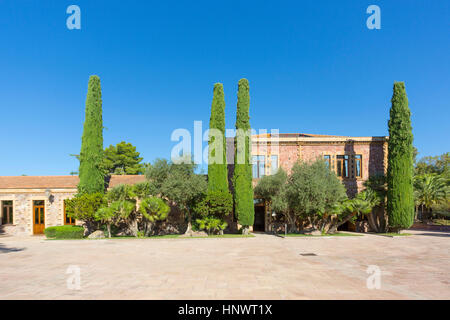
point(243, 190)
point(91, 173)
point(217, 171)
point(400, 199)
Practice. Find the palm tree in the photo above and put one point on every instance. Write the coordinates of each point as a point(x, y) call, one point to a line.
point(122, 201)
point(361, 204)
point(376, 188)
point(429, 189)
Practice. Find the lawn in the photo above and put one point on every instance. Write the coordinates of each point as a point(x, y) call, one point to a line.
point(392, 234)
point(441, 222)
point(339, 234)
point(171, 236)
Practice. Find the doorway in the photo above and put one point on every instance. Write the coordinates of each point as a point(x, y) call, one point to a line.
point(38, 216)
point(259, 224)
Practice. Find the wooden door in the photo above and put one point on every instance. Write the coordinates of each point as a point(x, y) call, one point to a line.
point(38, 217)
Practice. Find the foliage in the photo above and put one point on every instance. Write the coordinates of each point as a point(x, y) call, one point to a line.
point(377, 185)
point(179, 183)
point(441, 222)
point(64, 232)
point(144, 189)
point(122, 159)
point(242, 179)
point(215, 204)
point(430, 189)
point(121, 206)
point(312, 188)
point(362, 204)
point(84, 206)
point(211, 224)
point(158, 172)
point(400, 200)
point(376, 188)
point(217, 170)
point(438, 164)
point(350, 209)
point(121, 192)
point(442, 209)
point(91, 172)
point(269, 186)
point(153, 209)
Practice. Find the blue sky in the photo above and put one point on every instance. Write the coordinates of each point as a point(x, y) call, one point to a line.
point(313, 67)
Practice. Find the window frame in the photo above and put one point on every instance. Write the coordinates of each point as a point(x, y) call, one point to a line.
point(328, 161)
point(358, 158)
point(258, 163)
point(340, 160)
point(72, 221)
point(10, 212)
point(272, 172)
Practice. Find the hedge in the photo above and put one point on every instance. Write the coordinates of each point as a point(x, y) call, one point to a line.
point(64, 232)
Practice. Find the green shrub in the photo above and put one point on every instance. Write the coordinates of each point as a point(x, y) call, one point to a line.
point(64, 232)
point(211, 224)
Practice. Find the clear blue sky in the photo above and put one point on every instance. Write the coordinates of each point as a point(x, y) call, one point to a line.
point(313, 67)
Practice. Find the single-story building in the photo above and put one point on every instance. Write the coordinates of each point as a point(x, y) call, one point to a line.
point(29, 204)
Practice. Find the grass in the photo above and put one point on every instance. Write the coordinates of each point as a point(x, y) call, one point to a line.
point(393, 234)
point(169, 236)
point(339, 234)
point(441, 222)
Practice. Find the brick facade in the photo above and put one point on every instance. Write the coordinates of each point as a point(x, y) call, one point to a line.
point(291, 148)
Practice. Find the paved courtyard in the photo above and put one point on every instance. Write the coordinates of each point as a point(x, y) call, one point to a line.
point(263, 267)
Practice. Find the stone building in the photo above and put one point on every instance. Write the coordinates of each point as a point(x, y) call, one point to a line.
point(29, 204)
point(353, 159)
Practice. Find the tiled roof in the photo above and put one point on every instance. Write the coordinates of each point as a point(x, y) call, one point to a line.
point(59, 182)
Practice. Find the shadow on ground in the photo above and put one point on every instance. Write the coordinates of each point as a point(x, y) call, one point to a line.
point(433, 234)
point(4, 249)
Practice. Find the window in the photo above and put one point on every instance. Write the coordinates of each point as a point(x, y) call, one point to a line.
point(7, 212)
point(327, 159)
point(273, 164)
point(358, 166)
point(259, 166)
point(342, 166)
point(67, 220)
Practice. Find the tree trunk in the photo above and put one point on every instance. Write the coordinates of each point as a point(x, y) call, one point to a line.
point(148, 229)
point(108, 226)
point(134, 227)
point(337, 225)
point(372, 221)
point(189, 226)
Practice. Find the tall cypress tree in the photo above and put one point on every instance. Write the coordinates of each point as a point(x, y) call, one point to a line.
point(217, 172)
point(91, 173)
point(243, 190)
point(400, 204)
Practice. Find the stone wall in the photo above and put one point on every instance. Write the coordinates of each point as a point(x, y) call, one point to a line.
point(23, 209)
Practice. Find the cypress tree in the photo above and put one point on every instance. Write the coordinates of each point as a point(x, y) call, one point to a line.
point(243, 190)
point(217, 172)
point(91, 171)
point(400, 201)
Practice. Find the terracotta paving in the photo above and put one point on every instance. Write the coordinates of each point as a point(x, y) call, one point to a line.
point(264, 267)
